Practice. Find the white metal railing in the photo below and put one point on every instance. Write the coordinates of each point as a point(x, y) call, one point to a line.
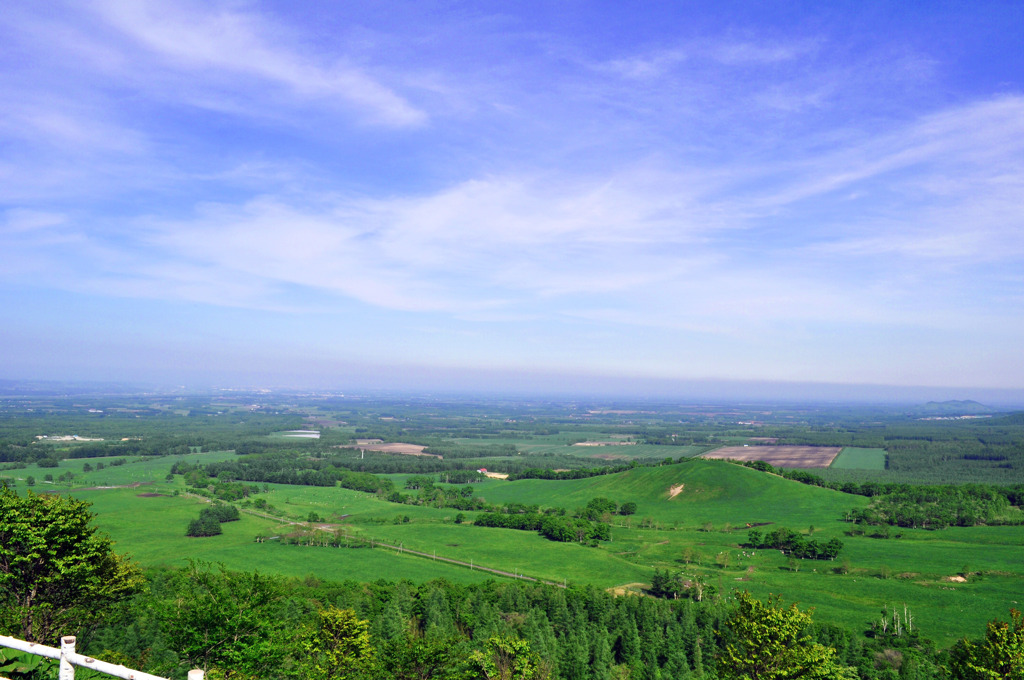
point(69, 659)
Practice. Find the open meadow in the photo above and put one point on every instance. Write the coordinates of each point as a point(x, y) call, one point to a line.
point(692, 514)
point(692, 518)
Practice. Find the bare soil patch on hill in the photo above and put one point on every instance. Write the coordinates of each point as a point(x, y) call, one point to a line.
point(780, 456)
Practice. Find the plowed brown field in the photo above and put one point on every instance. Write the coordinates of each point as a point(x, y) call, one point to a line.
point(780, 456)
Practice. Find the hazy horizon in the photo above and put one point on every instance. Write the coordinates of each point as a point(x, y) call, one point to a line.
point(816, 199)
point(446, 385)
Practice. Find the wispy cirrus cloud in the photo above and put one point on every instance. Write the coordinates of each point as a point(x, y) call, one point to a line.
point(683, 247)
point(244, 43)
point(745, 185)
point(723, 51)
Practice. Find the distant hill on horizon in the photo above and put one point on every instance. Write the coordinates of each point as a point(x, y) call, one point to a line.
point(954, 407)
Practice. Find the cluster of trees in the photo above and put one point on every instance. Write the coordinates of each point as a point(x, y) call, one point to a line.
point(674, 586)
point(553, 526)
point(461, 477)
point(149, 446)
point(283, 468)
point(793, 543)
point(601, 508)
point(1012, 493)
point(579, 473)
point(210, 519)
point(587, 524)
point(199, 481)
point(938, 507)
point(441, 497)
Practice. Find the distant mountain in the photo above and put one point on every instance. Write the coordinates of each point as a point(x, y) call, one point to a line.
point(953, 407)
point(60, 388)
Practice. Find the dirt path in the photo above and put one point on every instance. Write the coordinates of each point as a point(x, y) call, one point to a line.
point(402, 549)
point(133, 485)
point(471, 565)
point(675, 490)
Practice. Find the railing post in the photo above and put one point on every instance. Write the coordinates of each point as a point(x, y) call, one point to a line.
point(67, 650)
point(196, 674)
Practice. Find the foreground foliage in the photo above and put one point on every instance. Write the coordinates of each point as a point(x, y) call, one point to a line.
point(56, 571)
point(770, 642)
point(999, 655)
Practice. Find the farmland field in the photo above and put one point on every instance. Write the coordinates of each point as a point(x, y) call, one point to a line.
point(779, 456)
point(859, 459)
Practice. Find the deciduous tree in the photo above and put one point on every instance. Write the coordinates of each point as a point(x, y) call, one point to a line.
point(339, 648)
point(56, 572)
point(1000, 655)
point(769, 642)
point(508, 659)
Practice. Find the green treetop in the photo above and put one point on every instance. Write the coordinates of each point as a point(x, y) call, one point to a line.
point(767, 641)
point(56, 572)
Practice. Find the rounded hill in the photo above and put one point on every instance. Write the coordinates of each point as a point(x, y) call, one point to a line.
point(694, 491)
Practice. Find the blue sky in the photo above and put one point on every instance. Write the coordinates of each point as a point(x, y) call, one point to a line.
point(324, 193)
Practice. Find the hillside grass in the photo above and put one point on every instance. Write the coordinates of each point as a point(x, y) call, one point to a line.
point(152, 531)
point(700, 531)
point(136, 470)
point(713, 491)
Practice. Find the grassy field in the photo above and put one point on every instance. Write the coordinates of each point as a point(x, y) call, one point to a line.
point(698, 532)
point(713, 491)
point(136, 470)
point(152, 531)
point(851, 458)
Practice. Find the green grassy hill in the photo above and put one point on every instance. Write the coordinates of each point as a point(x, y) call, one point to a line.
point(712, 491)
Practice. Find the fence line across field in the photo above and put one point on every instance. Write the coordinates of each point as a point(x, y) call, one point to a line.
point(69, 658)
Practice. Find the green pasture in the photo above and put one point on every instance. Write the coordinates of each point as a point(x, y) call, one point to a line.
point(712, 491)
point(852, 458)
point(152, 531)
point(136, 469)
point(516, 551)
point(700, 531)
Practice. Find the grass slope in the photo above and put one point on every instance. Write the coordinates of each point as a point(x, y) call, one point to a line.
point(152, 531)
point(699, 532)
point(713, 491)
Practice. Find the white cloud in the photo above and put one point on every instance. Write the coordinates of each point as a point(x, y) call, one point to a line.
point(692, 249)
point(20, 220)
point(696, 54)
point(759, 53)
point(198, 40)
